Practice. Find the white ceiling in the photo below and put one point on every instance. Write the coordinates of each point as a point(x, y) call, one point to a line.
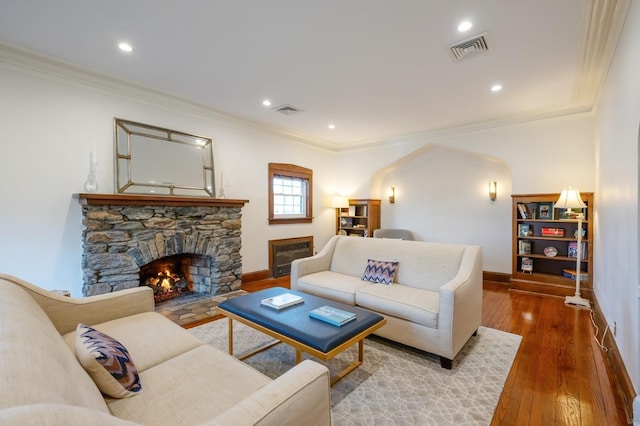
point(379, 70)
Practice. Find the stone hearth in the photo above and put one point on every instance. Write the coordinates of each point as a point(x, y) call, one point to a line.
point(124, 232)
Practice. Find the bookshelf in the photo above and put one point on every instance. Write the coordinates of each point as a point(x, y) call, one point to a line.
point(360, 218)
point(544, 245)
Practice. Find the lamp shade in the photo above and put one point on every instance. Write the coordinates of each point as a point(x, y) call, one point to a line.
point(339, 202)
point(570, 199)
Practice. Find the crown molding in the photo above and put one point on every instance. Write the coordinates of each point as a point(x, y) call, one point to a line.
point(547, 114)
point(69, 74)
point(604, 20)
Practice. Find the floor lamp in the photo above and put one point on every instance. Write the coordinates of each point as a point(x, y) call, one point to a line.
point(570, 199)
point(339, 202)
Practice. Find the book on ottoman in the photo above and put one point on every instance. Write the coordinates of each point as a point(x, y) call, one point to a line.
point(282, 301)
point(332, 315)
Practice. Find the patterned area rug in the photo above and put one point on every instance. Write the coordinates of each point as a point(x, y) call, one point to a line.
point(396, 385)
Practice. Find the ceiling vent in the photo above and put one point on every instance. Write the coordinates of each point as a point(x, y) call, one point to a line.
point(470, 47)
point(288, 109)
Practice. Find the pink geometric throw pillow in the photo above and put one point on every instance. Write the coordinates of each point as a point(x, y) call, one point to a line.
point(378, 271)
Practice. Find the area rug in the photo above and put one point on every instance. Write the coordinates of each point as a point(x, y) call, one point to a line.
point(396, 385)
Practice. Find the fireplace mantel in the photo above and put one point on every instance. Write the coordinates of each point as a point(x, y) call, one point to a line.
point(155, 200)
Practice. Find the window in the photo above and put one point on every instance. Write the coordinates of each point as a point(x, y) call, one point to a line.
point(290, 189)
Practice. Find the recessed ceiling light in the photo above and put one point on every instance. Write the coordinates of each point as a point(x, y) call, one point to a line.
point(464, 26)
point(496, 87)
point(125, 47)
point(266, 102)
point(332, 126)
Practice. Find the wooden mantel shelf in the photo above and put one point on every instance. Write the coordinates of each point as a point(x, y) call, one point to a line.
point(155, 200)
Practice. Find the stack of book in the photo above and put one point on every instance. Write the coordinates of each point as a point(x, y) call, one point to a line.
point(571, 273)
point(524, 211)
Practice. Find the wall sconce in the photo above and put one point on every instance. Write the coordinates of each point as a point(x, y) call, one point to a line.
point(392, 194)
point(493, 190)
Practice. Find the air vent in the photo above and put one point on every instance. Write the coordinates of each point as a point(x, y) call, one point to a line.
point(287, 109)
point(470, 47)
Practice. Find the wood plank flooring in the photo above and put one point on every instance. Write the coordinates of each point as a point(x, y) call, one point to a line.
point(560, 375)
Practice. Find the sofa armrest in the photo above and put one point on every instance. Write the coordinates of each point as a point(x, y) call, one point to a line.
point(301, 396)
point(461, 303)
point(310, 265)
point(67, 312)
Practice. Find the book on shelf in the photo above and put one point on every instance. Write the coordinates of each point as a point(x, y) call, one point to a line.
point(525, 230)
point(524, 247)
point(524, 211)
point(573, 250)
point(527, 264)
point(282, 301)
point(571, 273)
point(331, 315)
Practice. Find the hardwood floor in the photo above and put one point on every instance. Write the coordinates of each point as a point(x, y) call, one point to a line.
point(560, 375)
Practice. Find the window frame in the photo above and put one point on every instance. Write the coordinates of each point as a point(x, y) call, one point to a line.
point(292, 171)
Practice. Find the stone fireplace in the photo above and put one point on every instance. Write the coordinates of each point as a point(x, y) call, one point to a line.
point(124, 233)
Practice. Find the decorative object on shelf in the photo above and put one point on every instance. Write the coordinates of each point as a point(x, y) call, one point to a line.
point(550, 251)
point(340, 202)
point(545, 211)
point(392, 194)
point(91, 185)
point(570, 199)
point(493, 190)
point(527, 264)
point(347, 222)
point(552, 232)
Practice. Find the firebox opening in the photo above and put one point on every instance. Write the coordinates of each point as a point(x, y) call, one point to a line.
point(168, 277)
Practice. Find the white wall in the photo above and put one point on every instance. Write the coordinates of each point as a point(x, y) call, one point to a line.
point(535, 157)
point(616, 251)
point(49, 127)
point(450, 183)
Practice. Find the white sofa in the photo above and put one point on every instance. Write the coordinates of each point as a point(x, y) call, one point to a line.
point(184, 381)
point(434, 303)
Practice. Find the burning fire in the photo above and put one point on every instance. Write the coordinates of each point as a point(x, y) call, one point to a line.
point(167, 285)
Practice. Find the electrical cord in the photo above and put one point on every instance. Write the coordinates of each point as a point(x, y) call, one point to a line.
point(601, 342)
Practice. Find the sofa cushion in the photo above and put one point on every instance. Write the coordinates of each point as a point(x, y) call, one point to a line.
point(175, 389)
point(140, 332)
point(378, 271)
point(108, 362)
point(423, 264)
point(332, 285)
point(47, 371)
point(408, 303)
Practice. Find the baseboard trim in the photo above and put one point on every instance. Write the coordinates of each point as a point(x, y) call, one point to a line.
point(625, 386)
point(498, 277)
point(250, 277)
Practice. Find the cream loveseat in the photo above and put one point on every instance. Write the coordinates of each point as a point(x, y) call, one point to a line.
point(434, 303)
point(184, 381)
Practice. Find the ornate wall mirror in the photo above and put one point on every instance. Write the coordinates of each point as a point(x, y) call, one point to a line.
point(153, 160)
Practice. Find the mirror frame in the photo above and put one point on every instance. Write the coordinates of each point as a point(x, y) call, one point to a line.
point(125, 163)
